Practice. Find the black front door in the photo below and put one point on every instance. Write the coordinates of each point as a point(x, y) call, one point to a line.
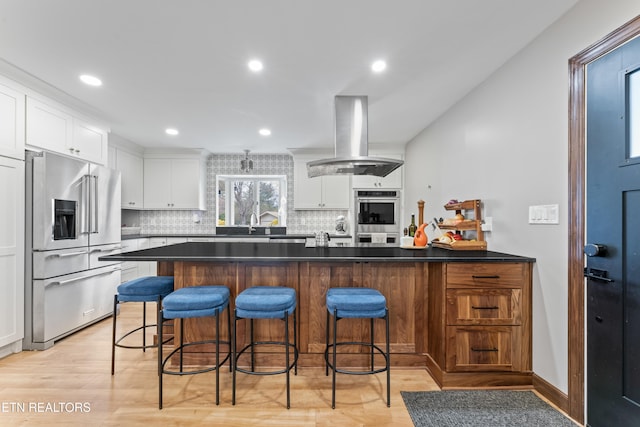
point(613, 238)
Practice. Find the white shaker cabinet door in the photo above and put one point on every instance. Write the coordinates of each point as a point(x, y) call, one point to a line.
point(321, 192)
point(49, 127)
point(307, 192)
point(157, 183)
point(11, 252)
point(89, 142)
point(11, 122)
point(335, 192)
point(185, 184)
point(131, 168)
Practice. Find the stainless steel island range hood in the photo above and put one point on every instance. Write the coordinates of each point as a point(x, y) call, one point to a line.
point(351, 144)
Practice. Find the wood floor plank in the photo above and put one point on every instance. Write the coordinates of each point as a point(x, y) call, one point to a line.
point(71, 384)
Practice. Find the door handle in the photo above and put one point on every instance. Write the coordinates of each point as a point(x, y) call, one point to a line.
point(595, 249)
point(597, 274)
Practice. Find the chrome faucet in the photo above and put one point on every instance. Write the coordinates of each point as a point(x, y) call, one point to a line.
point(253, 222)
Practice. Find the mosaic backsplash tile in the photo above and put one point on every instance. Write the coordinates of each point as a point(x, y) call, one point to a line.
point(198, 222)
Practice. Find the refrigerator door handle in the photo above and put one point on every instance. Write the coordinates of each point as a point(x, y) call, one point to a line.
point(75, 279)
point(94, 207)
point(84, 206)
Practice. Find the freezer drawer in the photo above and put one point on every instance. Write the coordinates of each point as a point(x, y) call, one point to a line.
point(65, 304)
point(48, 264)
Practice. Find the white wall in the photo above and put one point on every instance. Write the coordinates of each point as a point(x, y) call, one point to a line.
point(506, 143)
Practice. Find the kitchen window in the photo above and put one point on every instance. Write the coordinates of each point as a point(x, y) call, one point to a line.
point(238, 196)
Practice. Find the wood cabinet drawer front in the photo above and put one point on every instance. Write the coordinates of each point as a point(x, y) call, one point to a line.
point(486, 348)
point(484, 307)
point(492, 275)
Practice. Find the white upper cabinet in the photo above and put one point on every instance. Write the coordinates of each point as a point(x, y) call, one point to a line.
point(89, 142)
point(393, 180)
point(48, 127)
point(11, 121)
point(131, 168)
point(175, 182)
point(54, 128)
point(322, 192)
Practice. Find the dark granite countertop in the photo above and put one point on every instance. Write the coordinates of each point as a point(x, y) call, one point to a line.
point(266, 252)
point(233, 236)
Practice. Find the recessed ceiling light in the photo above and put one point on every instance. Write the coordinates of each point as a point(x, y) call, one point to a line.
point(171, 131)
point(378, 66)
point(255, 65)
point(264, 132)
point(90, 80)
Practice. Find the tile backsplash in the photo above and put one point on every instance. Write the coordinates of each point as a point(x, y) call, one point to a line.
point(199, 222)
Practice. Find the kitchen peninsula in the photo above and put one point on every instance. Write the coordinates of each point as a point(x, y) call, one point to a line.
point(463, 315)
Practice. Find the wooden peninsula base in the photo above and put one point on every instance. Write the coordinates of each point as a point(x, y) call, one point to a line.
point(467, 322)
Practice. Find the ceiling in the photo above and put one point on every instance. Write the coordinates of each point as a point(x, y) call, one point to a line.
point(183, 64)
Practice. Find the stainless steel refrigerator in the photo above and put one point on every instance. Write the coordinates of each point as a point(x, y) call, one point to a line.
point(73, 217)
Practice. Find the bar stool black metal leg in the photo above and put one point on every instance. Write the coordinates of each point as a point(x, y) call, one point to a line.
point(181, 343)
point(286, 351)
point(229, 332)
point(253, 359)
point(372, 343)
point(234, 362)
point(160, 330)
point(217, 357)
point(326, 361)
point(295, 341)
point(144, 326)
point(386, 319)
point(113, 340)
point(335, 334)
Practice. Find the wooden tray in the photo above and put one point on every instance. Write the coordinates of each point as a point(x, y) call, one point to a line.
point(461, 245)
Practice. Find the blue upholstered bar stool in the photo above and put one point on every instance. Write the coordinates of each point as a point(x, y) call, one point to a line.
point(143, 289)
point(266, 302)
point(356, 303)
point(194, 302)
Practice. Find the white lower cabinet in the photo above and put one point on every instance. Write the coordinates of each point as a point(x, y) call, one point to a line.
point(11, 255)
point(133, 270)
point(129, 268)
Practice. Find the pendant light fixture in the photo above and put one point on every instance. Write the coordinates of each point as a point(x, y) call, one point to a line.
point(246, 165)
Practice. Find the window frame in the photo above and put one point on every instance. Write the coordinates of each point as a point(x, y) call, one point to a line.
point(229, 206)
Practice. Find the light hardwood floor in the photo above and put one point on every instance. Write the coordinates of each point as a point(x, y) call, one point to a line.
point(71, 384)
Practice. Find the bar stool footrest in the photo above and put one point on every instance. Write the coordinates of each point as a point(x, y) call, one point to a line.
point(281, 371)
point(193, 372)
point(346, 371)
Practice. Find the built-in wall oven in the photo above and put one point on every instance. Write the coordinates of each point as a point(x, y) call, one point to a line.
point(377, 217)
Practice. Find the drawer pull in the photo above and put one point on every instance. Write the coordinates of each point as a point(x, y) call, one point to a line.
point(484, 349)
point(484, 308)
point(494, 276)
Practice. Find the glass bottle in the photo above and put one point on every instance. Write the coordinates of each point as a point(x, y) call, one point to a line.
point(412, 226)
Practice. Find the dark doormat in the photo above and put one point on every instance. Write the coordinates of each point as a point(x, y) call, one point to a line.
point(458, 408)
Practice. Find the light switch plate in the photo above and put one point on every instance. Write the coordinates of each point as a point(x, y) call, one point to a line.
point(544, 214)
